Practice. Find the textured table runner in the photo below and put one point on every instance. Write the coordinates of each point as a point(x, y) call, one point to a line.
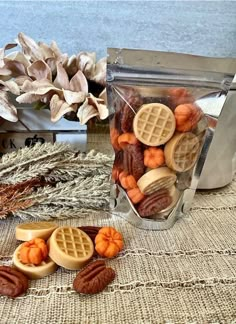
point(183, 275)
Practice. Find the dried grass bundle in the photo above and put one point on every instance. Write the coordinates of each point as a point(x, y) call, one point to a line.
point(53, 181)
point(12, 196)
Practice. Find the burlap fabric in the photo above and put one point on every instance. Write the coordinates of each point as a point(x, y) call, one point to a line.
point(183, 275)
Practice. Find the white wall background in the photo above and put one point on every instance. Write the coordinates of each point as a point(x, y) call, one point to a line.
point(199, 27)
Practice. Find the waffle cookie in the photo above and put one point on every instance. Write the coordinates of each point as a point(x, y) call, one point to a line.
point(32, 271)
point(70, 247)
point(181, 151)
point(29, 231)
point(154, 124)
point(156, 179)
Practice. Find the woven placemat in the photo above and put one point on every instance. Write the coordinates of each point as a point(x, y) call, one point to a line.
point(186, 274)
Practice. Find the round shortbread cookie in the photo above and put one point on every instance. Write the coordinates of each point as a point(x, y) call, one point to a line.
point(29, 231)
point(156, 179)
point(181, 152)
point(70, 247)
point(32, 271)
point(154, 124)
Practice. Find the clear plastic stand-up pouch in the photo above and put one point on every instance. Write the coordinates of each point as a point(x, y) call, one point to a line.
point(161, 127)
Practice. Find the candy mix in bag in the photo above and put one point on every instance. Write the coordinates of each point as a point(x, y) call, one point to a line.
point(156, 137)
point(161, 107)
point(169, 114)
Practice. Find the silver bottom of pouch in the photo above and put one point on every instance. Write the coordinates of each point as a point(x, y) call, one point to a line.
point(121, 206)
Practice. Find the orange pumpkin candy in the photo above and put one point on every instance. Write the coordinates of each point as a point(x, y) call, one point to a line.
point(180, 96)
point(34, 251)
point(108, 242)
point(153, 157)
point(187, 116)
point(135, 195)
point(127, 138)
point(127, 180)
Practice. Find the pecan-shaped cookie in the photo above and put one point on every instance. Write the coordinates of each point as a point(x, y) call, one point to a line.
point(133, 160)
point(93, 278)
point(91, 231)
point(130, 107)
point(154, 203)
point(12, 282)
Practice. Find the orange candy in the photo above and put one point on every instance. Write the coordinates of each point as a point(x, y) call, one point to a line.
point(187, 117)
point(108, 242)
point(127, 138)
point(180, 96)
point(127, 181)
point(135, 195)
point(153, 157)
point(34, 251)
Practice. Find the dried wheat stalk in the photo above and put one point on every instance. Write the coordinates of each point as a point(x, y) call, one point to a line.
point(72, 192)
point(75, 198)
point(22, 158)
point(47, 212)
point(64, 165)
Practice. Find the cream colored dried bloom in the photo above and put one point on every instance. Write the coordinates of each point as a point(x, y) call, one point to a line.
point(77, 98)
point(62, 95)
point(5, 73)
point(94, 71)
point(18, 62)
point(51, 55)
point(7, 109)
point(92, 107)
point(41, 73)
point(40, 51)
